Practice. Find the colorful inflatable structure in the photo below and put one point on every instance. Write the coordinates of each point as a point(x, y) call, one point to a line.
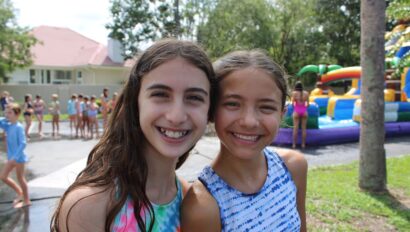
point(336, 118)
point(341, 123)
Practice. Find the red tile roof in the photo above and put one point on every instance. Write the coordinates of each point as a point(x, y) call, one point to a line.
point(63, 47)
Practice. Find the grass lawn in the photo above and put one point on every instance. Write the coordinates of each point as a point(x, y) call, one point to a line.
point(335, 202)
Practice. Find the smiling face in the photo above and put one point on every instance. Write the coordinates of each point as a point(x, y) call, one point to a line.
point(248, 112)
point(173, 105)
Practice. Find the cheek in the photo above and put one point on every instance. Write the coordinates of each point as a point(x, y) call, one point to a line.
point(200, 116)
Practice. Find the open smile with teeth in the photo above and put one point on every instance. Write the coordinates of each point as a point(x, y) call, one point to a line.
point(173, 134)
point(251, 138)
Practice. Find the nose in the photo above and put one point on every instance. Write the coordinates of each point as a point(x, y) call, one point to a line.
point(249, 118)
point(177, 114)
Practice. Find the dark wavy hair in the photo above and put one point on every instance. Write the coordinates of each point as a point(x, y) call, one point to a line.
point(117, 161)
point(299, 86)
point(256, 58)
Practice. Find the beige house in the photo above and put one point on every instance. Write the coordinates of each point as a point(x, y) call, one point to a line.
point(64, 56)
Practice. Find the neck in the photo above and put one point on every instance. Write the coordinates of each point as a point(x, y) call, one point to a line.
point(161, 187)
point(246, 175)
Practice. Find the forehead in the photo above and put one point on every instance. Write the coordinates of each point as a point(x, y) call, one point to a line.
point(250, 81)
point(176, 72)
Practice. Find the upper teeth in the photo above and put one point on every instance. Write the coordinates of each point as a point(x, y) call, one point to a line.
point(247, 137)
point(173, 134)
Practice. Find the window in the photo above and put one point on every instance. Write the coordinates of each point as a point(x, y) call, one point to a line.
point(79, 77)
point(32, 76)
point(48, 76)
point(62, 77)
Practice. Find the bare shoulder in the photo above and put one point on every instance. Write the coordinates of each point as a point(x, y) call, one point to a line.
point(200, 211)
point(185, 185)
point(85, 209)
point(296, 163)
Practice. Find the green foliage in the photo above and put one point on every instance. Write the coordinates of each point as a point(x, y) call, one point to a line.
point(339, 21)
point(15, 42)
point(398, 10)
point(135, 22)
point(284, 28)
point(334, 200)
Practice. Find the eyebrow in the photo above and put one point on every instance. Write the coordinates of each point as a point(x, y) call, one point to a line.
point(236, 96)
point(164, 87)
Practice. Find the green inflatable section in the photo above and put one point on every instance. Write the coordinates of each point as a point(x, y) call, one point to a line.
point(322, 110)
point(403, 117)
point(312, 123)
point(319, 69)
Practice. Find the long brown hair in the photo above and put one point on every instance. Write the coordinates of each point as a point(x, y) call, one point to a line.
point(117, 161)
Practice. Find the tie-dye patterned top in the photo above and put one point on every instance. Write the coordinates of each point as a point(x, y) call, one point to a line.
point(167, 216)
point(273, 208)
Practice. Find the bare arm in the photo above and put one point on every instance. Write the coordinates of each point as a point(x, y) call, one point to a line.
point(84, 209)
point(306, 97)
point(199, 212)
point(297, 165)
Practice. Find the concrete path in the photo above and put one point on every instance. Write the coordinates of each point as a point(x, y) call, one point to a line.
point(54, 164)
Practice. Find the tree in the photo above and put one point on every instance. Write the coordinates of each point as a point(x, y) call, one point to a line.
point(339, 21)
point(372, 171)
point(247, 24)
point(15, 42)
point(139, 21)
point(283, 28)
point(398, 10)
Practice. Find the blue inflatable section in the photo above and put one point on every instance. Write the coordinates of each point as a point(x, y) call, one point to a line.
point(344, 109)
point(321, 101)
point(404, 107)
point(406, 88)
point(402, 51)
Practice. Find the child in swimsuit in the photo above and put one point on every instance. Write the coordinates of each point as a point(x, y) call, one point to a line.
point(300, 102)
point(28, 112)
point(54, 110)
point(39, 107)
point(16, 157)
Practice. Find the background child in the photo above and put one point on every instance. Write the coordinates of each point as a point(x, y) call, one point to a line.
point(28, 111)
point(85, 124)
point(72, 113)
point(16, 157)
point(92, 117)
point(39, 107)
point(129, 183)
point(54, 110)
point(248, 187)
point(300, 102)
point(79, 106)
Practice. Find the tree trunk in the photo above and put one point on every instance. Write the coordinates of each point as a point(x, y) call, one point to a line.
point(372, 170)
point(177, 19)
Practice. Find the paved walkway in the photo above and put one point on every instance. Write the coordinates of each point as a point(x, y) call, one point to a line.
point(54, 164)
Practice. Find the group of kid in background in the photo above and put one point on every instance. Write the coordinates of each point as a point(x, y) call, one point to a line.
point(83, 111)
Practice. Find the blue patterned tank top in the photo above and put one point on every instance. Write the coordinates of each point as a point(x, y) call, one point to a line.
point(273, 208)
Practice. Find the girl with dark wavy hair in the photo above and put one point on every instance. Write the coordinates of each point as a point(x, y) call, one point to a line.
point(129, 183)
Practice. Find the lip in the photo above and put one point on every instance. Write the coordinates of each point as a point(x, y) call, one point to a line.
point(171, 139)
point(245, 139)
